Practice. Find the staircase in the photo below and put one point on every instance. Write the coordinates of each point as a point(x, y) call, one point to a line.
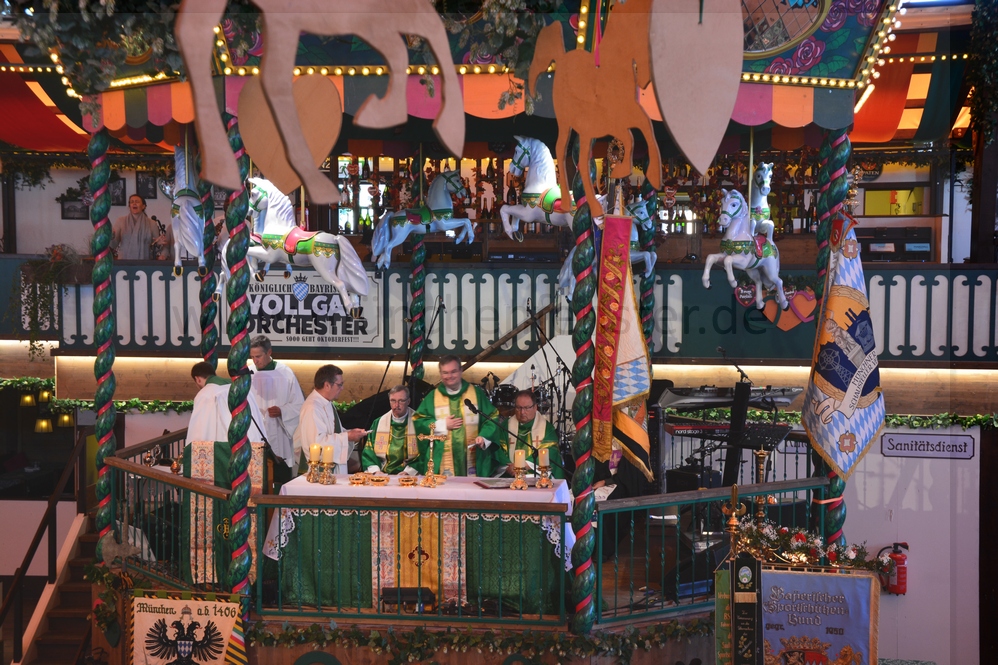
point(67, 619)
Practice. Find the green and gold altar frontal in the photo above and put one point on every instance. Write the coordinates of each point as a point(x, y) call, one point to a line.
point(457, 550)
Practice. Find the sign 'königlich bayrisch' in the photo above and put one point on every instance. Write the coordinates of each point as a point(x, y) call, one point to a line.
point(927, 443)
point(307, 312)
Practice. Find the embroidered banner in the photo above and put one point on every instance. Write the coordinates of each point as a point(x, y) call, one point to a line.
point(820, 617)
point(169, 627)
point(843, 406)
point(622, 373)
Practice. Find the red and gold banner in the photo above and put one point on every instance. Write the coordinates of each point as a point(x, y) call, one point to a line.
point(622, 374)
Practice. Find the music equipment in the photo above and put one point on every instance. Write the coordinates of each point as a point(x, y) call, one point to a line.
point(711, 397)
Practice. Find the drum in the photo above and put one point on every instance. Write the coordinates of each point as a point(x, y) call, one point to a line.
point(504, 398)
point(542, 396)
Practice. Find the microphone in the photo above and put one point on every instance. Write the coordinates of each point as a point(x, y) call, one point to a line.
point(474, 409)
point(721, 350)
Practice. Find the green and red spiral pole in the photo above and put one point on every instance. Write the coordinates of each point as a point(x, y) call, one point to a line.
point(209, 283)
point(238, 330)
point(417, 308)
point(104, 327)
point(583, 264)
point(833, 188)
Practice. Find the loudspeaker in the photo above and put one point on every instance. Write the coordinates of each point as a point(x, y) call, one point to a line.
point(694, 575)
point(690, 478)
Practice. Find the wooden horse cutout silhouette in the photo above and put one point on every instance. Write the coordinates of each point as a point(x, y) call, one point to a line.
point(380, 23)
point(600, 99)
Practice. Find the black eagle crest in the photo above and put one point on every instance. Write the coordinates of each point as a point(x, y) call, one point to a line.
point(185, 648)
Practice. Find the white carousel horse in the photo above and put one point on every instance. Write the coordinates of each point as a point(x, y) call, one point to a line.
point(187, 214)
point(762, 179)
point(540, 200)
point(276, 238)
point(639, 211)
point(437, 214)
point(740, 248)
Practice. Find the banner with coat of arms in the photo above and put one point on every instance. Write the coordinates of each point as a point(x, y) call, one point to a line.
point(820, 618)
point(308, 311)
point(843, 406)
point(171, 628)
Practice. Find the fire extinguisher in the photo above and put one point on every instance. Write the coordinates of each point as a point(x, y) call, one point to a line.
point(897, 582)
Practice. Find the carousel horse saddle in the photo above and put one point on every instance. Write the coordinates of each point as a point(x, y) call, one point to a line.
point(549, 200)
point(295, 238)
point(760, 246)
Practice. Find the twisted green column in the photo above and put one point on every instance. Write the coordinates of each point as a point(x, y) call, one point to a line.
point(417, 308)
point(646, 239)
point(833, 187)
point(583, 267)
point(238, 331)
point(104, 328)
point(209, 282)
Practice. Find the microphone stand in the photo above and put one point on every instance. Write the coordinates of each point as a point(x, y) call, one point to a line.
point(519, 439)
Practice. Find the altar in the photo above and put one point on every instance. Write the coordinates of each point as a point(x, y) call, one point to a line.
point(471, 547)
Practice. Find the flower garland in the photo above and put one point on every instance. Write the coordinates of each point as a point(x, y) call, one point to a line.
point(30, 384)
point(421, 644)
point(799, 547)
point(893, 420)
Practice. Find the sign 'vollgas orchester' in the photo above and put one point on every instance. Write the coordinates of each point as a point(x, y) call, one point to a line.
point(307, 311)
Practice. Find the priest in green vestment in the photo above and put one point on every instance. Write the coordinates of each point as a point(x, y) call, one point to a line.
point(472, 445)
point(392, 446)
point(529, 427)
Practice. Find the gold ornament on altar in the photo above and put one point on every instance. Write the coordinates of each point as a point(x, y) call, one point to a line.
point(407, 481)
point(326, 475)
point(432, 479)
point(377, 480)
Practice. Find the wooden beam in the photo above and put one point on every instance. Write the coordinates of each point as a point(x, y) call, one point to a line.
point(494, 346)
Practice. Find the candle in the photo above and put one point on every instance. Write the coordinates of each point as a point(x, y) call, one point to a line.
point(327, 455)
point(520, 459)
point(440, 427)
point(544, 457)
point(313, 452)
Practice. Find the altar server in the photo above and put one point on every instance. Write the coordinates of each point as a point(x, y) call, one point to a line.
point(319, 423)
point(529, 427)
point(392, 445)
point(469, 448)
point(280, 398)
point(210, 416)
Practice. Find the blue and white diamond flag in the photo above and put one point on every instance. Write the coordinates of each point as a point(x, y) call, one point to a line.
point(843, 408)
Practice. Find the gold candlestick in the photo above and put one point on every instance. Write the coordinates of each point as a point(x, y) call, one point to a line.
point(544, 482)
point(760, 478)
point(430, 479)
point(327, 477)
point(520, 482)
point(313, 472)
point(733, 510)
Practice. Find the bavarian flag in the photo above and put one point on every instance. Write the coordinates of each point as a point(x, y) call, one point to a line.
point(843, 408)
point(622, 373)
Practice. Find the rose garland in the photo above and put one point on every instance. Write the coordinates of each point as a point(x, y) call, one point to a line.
point(797, 546)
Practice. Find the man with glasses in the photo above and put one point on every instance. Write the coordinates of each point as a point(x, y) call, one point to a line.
point(469, 449)
point(319, 423)
point(529, 427)
point(392, 446)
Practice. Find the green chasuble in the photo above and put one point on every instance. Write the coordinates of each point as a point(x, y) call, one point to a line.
point(538, 428)
point(389, 453)
point(453, 455)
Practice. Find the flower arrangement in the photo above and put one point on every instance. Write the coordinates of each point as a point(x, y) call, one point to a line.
point(799, 547)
